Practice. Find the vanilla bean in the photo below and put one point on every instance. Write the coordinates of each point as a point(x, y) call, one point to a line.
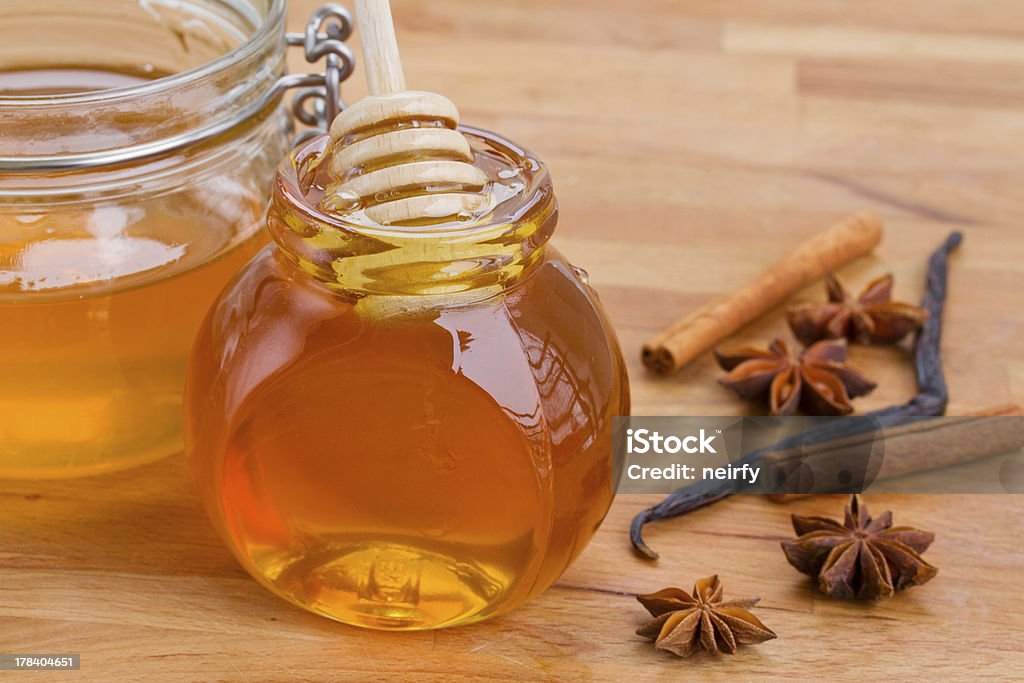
point(932, 393)
point(930, 400)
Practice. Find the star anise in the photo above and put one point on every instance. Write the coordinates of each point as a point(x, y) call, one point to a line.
point(817, 380)
point(861, 558)
point(685, 622)
point(870, 317)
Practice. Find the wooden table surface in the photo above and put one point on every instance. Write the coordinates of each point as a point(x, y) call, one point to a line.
point(691, 144)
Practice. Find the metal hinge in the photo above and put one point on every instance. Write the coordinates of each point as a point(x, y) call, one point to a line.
point(319, 100)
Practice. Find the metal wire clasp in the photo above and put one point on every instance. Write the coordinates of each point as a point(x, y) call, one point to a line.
point(315, 104)
point(318, 99)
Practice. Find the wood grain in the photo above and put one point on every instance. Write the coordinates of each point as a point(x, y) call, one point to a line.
point(691, 144)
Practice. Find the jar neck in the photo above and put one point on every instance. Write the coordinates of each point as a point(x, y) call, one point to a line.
point(186, 66)
point(453, 262)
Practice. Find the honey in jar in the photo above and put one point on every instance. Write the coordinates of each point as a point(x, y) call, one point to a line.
point(407, 428)
point(97, 320)
point(121, 217)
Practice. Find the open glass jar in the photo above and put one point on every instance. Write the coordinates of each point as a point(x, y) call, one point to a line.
point(138, 143)
point(407, 429)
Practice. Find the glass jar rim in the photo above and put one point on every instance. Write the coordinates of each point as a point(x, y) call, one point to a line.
point(166, 118)
point(537, 194)
point(467, 261)
point(250, 45)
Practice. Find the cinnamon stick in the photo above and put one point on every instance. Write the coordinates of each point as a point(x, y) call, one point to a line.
point(703, 329)
point(910, 448)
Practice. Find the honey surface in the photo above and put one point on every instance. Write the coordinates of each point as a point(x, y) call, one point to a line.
point(72, 79)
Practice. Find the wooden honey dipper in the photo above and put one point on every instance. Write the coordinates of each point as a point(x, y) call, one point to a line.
point(398, 153)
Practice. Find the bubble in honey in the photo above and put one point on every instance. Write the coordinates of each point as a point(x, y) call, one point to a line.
point(340, 202)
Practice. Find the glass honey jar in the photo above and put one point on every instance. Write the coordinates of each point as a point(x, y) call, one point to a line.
point(407, 429)
point(138, 145)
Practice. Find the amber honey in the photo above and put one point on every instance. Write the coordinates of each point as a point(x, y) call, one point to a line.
point(101, 293)
point(404, 441)
point(92, 359)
